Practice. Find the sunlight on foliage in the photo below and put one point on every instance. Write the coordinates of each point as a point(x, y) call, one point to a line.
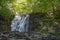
point(34, 5)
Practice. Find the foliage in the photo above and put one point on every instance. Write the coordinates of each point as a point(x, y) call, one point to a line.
point(6, 14)
point(43, 13)
point(44, 25)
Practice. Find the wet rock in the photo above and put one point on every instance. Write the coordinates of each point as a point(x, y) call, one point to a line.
point(16, 35)
point(0, 38)
point(3, 38)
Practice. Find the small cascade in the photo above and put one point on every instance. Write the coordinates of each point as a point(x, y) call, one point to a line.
point(20, 23)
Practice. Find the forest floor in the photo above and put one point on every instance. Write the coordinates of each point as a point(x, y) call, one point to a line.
point(26, 36)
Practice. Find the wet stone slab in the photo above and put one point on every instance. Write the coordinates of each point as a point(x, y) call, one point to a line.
point(12, 36)
point(16, 39)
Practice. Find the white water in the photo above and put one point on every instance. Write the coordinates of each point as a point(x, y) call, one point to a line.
point(20, 23)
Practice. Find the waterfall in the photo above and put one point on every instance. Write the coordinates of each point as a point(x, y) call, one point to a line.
point(20, 23)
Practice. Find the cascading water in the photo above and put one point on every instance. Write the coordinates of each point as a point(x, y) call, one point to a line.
point(20, 23)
